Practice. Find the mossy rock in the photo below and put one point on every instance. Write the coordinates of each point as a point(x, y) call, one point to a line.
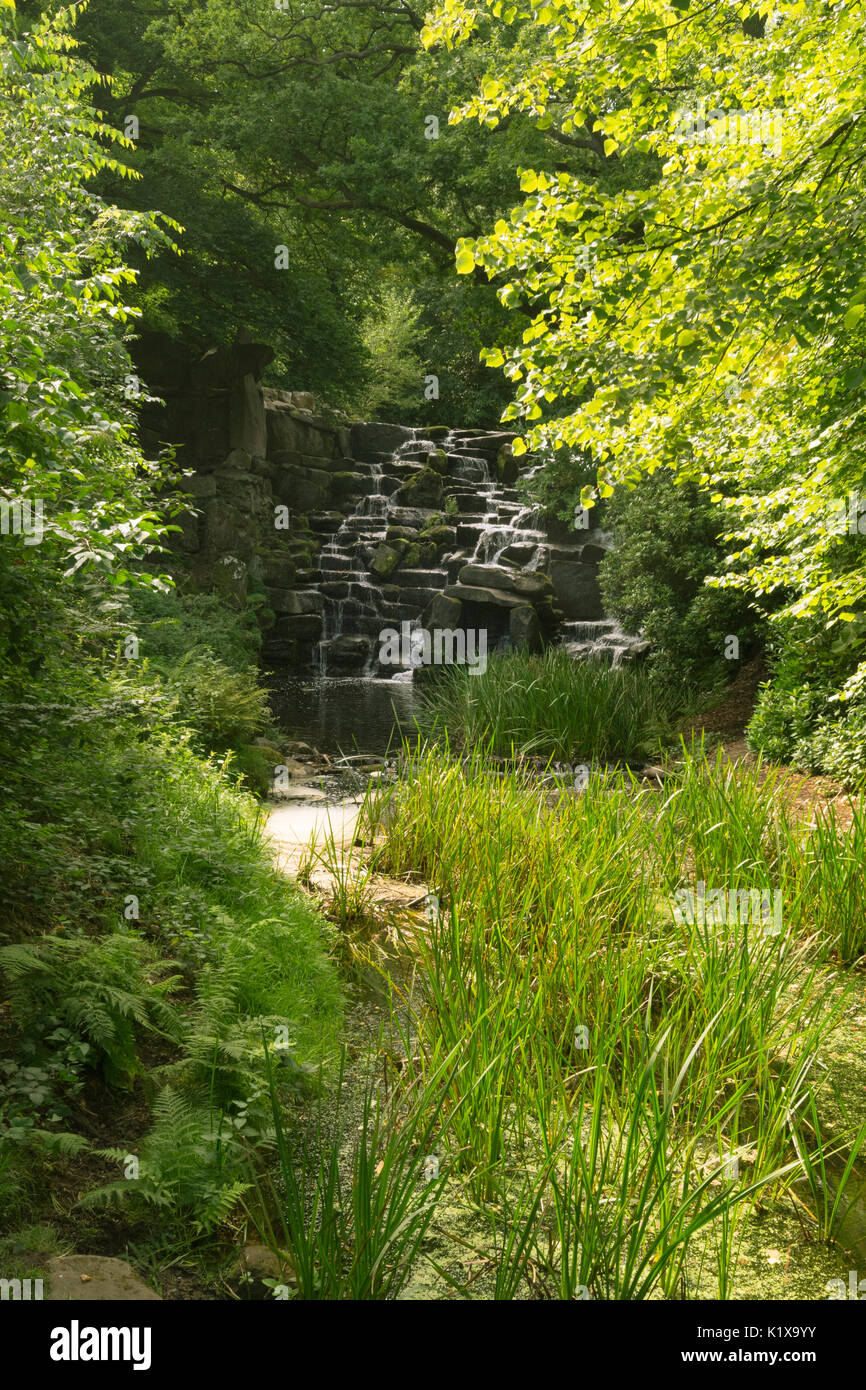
point(438, 461)
point(401, 533)
point(343, 484)
point(423, 489)
point(257, 765)
point(389, 554)
point(438, 536)
point(507, 468)
point(411, 556)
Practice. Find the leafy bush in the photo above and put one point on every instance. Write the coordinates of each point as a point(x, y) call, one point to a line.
point(97, 988)
point(174, 626)
point(223, 707)
point(666, 544)
point(813, 712)
point(784, 718)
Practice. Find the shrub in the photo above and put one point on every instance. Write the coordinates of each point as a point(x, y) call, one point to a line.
point(666, 544)
point(223, 707)
point(97, 988)
point(174, 626)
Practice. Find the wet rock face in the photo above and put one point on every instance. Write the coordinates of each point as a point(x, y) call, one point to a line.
point(349, 532)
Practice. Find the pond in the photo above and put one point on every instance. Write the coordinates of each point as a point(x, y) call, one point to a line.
point(343, 715)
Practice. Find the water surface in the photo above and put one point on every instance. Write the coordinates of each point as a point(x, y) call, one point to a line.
point(343, 716)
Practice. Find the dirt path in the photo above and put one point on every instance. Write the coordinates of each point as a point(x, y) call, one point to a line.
point(727, 723)
point(302, 832)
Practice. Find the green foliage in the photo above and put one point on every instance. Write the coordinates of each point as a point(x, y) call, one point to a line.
point(185, 1166)
point(98, 990)
point(37, 1081)
point(66, 441)
point(702, 307)
point(666, 544)
point(106, 805)
point(808, 727)
point(553, 919)
point(348, 1205)
point(262, 127)
point(173, 625)
point(224, 707)
point(550, 705)
point(394, 379)
point(813, 713)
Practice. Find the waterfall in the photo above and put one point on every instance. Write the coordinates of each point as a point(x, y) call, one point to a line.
point(489, 525)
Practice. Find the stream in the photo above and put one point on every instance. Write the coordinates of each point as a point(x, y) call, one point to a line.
point(350, 715)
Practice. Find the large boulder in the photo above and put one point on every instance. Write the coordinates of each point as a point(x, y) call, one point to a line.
point(304, 489)
point(417, 517)
point(423, 489)
point(388, 556)
point(291, 434)
point(577, 590)
point(438, 461)
point(369, 440)
point(442, 612)
point(476, 593)
point(247, 427)
point(346, 655)
point(530, 584)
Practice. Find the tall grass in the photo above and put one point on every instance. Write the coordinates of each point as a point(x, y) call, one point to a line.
point(351, 1213)
point(552, 705)
point(612, 1061)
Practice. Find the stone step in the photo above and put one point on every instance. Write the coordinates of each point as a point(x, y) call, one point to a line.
point(492, 439)
point(366, 525)
point(353, 611)
point(455, 488)
point(418, 456)
point(411, 594)
point(468, 532)
point(420, 579)
point(402, 612)
point(470, 505)
point(331, 562)
point(518, 554)
point(588, 631)
point(393, 461)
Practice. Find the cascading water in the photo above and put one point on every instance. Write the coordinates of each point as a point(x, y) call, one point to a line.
point(489, 521)
point(490, 524)
point(521, 530)
point(341, 570)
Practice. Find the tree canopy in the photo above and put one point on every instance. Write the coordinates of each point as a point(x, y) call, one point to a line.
point(709, 318)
